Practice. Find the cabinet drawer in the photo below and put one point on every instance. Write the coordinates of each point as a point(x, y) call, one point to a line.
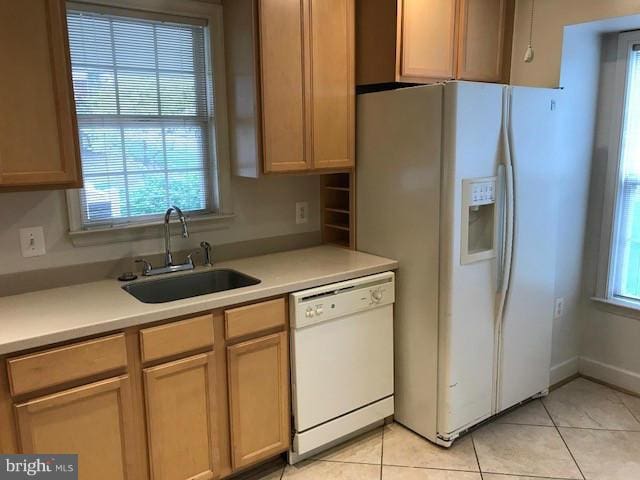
point(255, 318)
point(36, 371)
point(176, 338)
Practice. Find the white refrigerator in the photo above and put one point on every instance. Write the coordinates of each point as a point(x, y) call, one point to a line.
point(458, 182)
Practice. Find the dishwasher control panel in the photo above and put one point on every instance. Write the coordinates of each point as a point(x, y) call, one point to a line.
point(332, 301)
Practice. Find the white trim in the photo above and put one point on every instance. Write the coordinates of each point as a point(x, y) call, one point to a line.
point(564, 370)
point(611, 374)
point(606, 264)
point(221, 198)
point(619, 302)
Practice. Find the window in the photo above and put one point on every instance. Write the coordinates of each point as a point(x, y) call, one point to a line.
point(623, 272)
point(144, 93)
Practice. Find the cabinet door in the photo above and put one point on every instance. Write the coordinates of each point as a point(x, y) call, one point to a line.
point(427, 39)
point(332, 89)
point(38, 132)
point(281, 63)
point(258, 398)
point(181, 424)
point(93, 421)
point(483, 24)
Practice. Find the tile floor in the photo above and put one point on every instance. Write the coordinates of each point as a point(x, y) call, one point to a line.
point(582, 430)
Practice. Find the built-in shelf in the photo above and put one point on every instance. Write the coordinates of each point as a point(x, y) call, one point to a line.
point(338, 222)
point(337, 210)
point(337, 227)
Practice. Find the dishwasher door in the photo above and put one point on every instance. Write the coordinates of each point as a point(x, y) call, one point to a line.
point(341, 364)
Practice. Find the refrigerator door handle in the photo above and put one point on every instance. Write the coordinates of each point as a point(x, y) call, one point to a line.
point(506, 255)
point(506, 251)
point(501, 229)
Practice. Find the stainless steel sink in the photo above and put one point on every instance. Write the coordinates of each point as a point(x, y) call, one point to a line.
point(187, 286)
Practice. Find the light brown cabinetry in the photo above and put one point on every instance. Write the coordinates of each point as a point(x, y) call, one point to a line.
point(57, 366)
point(433, 40)
point(484, 45)
point(427, 39)
point(283, 96)
point(301, 65)
point(93, 421)
point(331, 90)
point(181, 420)
point(258, 398)
point(195, 398)
point(38, 132)
point(308, 84)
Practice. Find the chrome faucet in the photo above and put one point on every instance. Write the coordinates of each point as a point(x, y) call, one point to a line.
point(168, 257)
point(169, 266)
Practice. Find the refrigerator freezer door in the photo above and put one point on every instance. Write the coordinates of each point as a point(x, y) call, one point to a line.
point(472, 149)
point(398, 197)
point(528, 316)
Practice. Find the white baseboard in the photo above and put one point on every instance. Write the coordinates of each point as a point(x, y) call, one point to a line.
point(564, 370)
point(616, 376)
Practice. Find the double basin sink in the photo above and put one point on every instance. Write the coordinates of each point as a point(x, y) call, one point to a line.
point(189, 285)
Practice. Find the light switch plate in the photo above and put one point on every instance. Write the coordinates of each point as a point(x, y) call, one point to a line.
point(558, 310)
point(302, 212)
point(32, 241)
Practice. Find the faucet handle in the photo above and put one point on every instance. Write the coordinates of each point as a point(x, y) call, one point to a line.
point(146, 266)
point(206, 249)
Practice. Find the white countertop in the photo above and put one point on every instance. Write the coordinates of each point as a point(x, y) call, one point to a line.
point(48, 316)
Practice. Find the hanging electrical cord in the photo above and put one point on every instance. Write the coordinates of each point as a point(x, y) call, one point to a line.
point(529, 54)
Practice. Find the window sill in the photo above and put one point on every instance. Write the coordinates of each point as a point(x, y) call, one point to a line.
point(141, 231)
point(625, 308)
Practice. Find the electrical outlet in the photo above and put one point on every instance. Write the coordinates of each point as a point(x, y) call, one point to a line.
point(302, 212)
point(558, 311)
point(32, 242)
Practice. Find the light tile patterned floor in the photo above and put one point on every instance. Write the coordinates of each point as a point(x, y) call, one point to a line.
point(581, 431)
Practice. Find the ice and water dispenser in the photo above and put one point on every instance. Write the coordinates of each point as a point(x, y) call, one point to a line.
point(478, 219)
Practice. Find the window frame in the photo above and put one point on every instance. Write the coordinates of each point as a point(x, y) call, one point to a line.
point(220, 171)
point(612, 205)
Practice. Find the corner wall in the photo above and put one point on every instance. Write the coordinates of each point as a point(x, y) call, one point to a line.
point(551, 16)
point(610, 348)
point(590, 338)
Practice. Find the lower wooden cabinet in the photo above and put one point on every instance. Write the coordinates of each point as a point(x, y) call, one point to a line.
point(199, 398)
point(258, 376)
point(93, 421)
point(181, 424)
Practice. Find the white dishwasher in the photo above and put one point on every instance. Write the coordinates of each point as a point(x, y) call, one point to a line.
point(341, 360)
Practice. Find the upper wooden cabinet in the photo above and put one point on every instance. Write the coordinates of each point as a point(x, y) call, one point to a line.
point(427, 39)
point(424, 41)
point(331, 89)
point(299, 63)
point(38, 133)
point(484, 44)
point(283, 95)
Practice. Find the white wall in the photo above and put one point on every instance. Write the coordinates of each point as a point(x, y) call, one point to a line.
point(589, 337)
point(581, 78)
point(263, 208)
point(610, 347)
point(577, 109)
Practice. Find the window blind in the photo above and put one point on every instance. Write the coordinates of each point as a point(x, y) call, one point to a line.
point(144, 116)
point(627, 253)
